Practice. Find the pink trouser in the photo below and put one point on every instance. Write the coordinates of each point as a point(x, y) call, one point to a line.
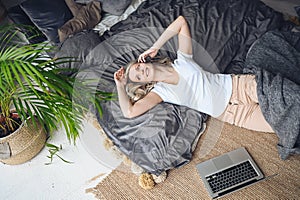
point(243, 109)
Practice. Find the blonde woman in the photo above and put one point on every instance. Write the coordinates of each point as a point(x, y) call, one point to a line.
point(230, 98)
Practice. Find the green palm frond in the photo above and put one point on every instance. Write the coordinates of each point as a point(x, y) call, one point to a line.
point(37, 86)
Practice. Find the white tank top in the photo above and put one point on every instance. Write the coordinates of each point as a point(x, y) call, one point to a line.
point(197, 89)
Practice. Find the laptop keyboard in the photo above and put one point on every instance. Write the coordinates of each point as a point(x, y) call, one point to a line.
point(231, 176)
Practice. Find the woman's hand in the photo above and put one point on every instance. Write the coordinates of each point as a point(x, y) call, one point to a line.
point(119, 77)
point(150, 52)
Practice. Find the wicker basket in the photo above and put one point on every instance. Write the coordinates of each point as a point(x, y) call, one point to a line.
point(25, 143)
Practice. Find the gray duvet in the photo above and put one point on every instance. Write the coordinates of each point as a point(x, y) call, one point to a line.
point(223, 32)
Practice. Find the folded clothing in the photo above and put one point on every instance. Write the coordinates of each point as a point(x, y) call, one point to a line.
point(85, 17)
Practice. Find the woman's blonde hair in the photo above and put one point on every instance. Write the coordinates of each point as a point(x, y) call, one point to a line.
point(137, 90)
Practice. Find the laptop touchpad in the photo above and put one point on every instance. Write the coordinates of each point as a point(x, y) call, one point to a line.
point(223, 161)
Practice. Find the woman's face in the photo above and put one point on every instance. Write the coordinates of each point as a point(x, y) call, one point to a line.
point(141, 72)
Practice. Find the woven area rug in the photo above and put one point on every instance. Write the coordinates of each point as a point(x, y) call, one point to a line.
point(283, 180)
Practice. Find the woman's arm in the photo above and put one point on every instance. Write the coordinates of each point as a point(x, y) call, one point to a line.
point(130, 110)
point(178, 27)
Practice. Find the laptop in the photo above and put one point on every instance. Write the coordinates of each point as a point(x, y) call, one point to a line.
point(229, 172)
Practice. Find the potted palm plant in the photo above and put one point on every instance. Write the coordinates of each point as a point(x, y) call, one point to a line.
point(36, 98)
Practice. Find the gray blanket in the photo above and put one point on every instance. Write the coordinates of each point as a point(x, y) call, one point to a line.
point(222, 33)
point(275, 58)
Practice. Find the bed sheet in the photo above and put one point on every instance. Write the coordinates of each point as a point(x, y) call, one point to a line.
point(222, 33)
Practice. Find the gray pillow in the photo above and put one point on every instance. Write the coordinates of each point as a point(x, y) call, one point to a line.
point(11, 3)
point(47, 16)
point(297, 8)
point(114, 7)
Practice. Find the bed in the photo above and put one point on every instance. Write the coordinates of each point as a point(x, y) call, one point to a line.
point(229, 36)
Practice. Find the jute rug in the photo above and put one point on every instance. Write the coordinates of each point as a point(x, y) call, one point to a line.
point(283, 180)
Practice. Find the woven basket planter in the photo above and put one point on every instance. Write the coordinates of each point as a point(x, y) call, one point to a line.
point(25, 143)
